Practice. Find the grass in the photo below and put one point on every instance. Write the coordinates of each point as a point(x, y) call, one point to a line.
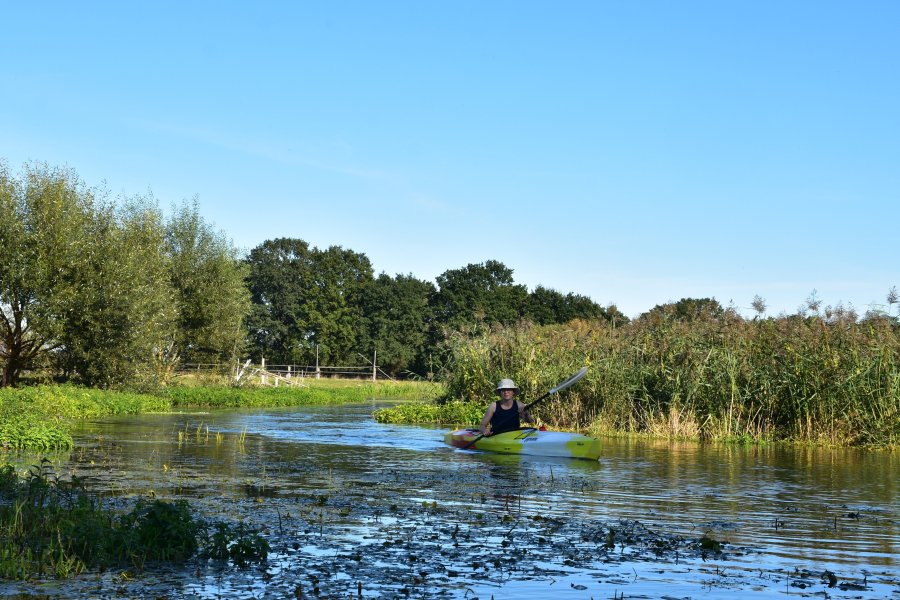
point(317, 392)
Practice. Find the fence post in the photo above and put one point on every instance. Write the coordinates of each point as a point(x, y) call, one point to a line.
point(374, 362)
point(262, 371)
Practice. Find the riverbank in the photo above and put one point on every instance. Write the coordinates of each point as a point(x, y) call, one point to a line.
point(41, 417)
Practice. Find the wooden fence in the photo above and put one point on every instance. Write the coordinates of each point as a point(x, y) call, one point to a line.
point(275, 375)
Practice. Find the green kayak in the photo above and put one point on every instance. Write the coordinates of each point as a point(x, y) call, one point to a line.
point(528, 441)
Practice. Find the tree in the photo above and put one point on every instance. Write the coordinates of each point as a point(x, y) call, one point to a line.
point(122, 312)
point(306, 299)
point(211, 297)
point(689, 309)
point(547, 306)
point(483, 292)
point(280, 274)
point(45, 219)
point(334, 305)
point(397, 317)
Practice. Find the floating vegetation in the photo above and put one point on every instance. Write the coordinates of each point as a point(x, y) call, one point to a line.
point(447, 413)
point(417, 534)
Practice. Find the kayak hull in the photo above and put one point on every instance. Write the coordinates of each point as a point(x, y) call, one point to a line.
point(531, 442)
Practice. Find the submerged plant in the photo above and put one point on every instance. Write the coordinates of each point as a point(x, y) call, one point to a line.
point(241, 544)
point(53, 527)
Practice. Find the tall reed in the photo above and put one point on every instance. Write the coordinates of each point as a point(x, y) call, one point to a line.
point(796, 378)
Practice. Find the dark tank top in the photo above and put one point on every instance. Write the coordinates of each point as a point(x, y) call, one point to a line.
point(505, 419)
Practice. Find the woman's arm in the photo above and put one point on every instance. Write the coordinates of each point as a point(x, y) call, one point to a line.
point(487, 419)
point(524, 415)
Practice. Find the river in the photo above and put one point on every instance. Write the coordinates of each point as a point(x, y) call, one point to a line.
point(390, 511)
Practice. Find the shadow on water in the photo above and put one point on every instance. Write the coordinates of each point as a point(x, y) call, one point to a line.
point(351, 506)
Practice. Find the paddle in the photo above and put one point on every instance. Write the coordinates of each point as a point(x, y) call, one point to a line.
point(559, 387)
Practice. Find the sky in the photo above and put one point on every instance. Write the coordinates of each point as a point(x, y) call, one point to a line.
point(633, 152)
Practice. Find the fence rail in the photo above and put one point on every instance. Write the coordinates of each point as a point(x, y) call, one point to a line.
point(269, 374)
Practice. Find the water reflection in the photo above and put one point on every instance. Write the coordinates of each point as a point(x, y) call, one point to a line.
point(806, 508)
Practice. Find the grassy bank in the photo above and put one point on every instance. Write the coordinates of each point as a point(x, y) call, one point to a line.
point(803, 379)
point(40, 417)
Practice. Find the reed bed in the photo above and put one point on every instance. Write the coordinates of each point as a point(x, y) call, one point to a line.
point(805, 379)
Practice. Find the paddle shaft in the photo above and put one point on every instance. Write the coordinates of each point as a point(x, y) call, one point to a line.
point(538, 401)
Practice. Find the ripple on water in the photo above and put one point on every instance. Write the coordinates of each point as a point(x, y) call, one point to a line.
point(339, 494)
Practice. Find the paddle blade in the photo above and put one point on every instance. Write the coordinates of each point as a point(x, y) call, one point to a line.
point(581, 373)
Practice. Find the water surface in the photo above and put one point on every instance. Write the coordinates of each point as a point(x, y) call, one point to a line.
point(349, 502)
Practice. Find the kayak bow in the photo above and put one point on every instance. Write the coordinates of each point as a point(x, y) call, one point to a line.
point(528, 441)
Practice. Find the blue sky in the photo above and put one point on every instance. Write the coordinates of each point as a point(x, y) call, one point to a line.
point(633, 152)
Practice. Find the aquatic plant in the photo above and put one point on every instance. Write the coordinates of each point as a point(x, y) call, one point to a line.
point(447, 413)
point(39, 417)
point(239, 543)
point(807, 378)
point(49, 526)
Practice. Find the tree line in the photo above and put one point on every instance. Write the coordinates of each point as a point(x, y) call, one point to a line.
point(107, 293)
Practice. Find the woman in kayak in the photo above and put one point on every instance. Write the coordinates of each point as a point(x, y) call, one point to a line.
point(506, 414)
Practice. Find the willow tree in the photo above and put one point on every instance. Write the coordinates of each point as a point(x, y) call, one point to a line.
point(123, 310)
point(45, 242)
point(208, 281)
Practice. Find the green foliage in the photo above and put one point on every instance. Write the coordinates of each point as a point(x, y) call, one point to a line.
point(20, 431)
point(547, 306)
point(45, 234)
point(157, 530)
point(317, 393)
point(397, 317)
point(306, 300)
point(687, 309)
point(239, 543)
point(122, 309)
point(104, 293)
point(713, 377)
point(446, 413)
point(212, 299)
point(39, 417)
point(483, 292)
point(55, 527)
